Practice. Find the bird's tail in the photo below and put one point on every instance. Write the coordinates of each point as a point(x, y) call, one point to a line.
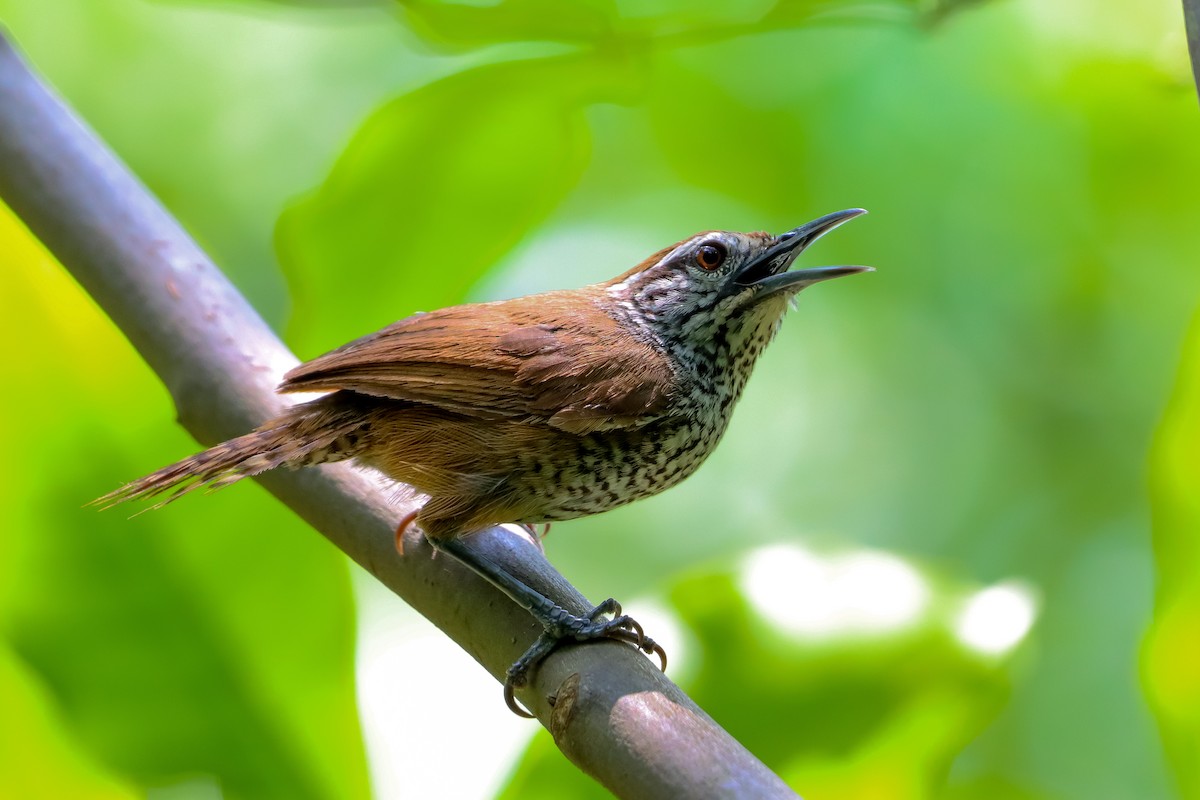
point(327, 429)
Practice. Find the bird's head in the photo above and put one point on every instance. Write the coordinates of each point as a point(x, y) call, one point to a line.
point(723, 279)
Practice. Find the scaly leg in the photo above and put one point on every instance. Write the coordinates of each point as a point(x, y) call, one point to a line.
point(558, 624)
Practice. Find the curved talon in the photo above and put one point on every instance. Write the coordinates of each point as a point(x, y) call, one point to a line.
point(643, 643)
point(650, 646)
point(601, 629)
point(631, 631)
point(518, 673)
point(558, 624)
point(405, 521)
point(511, 701)
point(609, 606)
point(623, 628)
point(662, 655)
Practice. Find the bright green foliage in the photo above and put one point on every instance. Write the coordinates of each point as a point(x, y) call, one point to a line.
point(170, 649)
point(880, 713)
point(1172, 650)
point(500, 144)
point(37, 758)
point(983, 404)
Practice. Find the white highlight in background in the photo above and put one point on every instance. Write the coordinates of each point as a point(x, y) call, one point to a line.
point(814, 596)
point(995, 619)
point(424, 703)
point(663, 626)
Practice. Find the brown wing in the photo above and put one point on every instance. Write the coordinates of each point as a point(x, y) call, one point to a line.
point(547, 358)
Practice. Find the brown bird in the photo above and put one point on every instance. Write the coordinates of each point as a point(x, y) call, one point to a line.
point(540, 408)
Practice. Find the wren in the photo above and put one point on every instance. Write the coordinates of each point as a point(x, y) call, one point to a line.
point(537, 409)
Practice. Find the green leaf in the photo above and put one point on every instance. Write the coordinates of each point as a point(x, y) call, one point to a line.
point(38, 757)
point(474, 25)
point(209, 643)
point(717, 142)
point(1172, 647)
point(212, 641)
point(433, 190)
point(866, 714)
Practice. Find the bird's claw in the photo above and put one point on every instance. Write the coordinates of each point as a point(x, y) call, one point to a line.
point(568, 626)
point(643, 643)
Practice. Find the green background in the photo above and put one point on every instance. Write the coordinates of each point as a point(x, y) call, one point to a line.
point(1012, 399)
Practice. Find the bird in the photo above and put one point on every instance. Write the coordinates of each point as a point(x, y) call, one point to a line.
point(537, 409)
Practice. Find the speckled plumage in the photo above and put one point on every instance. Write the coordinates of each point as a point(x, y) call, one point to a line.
point(540, 408)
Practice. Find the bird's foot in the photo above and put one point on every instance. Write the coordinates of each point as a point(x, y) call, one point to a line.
point(604, 622)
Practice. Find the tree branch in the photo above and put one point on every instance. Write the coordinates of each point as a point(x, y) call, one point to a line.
point(615, 715)
point(1191, 21)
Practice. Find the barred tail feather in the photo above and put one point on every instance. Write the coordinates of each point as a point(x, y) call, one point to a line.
point(311, 433)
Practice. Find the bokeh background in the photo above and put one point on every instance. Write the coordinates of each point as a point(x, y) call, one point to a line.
point(949, 547)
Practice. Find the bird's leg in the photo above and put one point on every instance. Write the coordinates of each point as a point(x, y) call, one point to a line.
point(605, 621)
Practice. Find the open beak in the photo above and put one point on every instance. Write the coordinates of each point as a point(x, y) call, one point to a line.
point(768, 273)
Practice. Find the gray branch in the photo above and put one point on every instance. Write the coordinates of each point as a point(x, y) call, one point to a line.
point(1191, 21)
point(613, 713)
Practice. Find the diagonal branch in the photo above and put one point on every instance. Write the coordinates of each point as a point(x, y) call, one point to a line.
point(1191, 21)
point(615, 716)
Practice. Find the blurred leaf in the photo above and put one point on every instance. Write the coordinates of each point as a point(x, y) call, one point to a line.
point(936, 12)
point(314, 4)
point(331, 4)
point(906, 757)
point(465, 24)
point(38, 758)
point(793, 13)
point(176, 647)
point(1171, 652)
point(433, 190)
point(866, 716)
point(154, 677)
point(459, 24)
point(684, 18)
point(718, 142)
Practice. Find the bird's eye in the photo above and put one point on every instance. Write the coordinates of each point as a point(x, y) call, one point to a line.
point(710, 255)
